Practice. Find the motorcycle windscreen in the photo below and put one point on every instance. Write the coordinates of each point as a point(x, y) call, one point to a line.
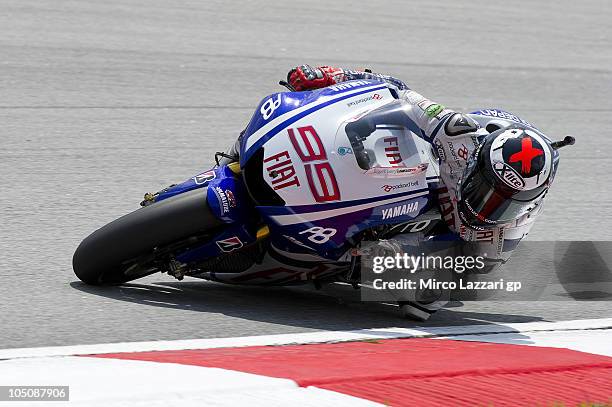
point(381, 139)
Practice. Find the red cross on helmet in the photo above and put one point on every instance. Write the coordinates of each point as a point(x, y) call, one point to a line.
point(507, 176)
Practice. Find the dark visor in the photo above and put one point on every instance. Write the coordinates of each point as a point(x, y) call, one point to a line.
point(483, 204)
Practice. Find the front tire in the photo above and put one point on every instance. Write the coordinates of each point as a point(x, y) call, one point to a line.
point(108, 256)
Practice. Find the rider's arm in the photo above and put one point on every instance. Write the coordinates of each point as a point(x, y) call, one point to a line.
point(350, 75)
point(305, 77)
point(497, 244)
point(421, 115)
point(452, 135)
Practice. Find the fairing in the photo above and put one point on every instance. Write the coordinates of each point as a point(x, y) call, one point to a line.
point(309, 162)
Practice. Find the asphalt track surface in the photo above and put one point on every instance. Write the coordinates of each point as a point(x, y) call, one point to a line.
point(103, 101)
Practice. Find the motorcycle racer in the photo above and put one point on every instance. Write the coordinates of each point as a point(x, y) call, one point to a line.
point(395, 176)
point(493, 183)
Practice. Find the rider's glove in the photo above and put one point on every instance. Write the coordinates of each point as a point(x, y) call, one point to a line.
point(305, 77)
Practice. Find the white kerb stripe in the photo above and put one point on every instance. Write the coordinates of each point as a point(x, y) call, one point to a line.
point(307, 337)
point(101, 382)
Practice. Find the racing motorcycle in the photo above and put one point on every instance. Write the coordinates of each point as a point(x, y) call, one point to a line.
point(296, 204)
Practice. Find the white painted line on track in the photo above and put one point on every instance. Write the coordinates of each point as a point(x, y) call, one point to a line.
point(309, 337)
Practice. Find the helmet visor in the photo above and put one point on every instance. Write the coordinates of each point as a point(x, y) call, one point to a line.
point(483, 204)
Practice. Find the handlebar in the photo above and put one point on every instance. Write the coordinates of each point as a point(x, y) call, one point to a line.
point(287, 85)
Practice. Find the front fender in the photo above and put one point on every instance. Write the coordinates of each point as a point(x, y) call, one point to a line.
point(227, 196)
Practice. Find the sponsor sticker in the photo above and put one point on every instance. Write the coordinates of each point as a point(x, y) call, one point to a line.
point(397, 171)
point(231, 199)
point(400, 210)
point(507, 174)
point(500, 240)
point(390, 188)
point(344, 151)
point(439, 149)
point(375, 96)
point(204, 177)
point(348, 85)
point(230, 244)
point(392, 151)
point(223, 200)
point(434, 110)
point(502, 114)
point(280, 168)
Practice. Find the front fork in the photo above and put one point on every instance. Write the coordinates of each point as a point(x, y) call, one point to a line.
point(227, 200)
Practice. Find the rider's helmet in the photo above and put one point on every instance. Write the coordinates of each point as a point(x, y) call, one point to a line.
point(506, 177)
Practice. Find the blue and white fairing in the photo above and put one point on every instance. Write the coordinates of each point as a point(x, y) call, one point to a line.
point(280, 110)
point(310, 163)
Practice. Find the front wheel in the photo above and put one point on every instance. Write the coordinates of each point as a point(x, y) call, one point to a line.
point(113, 254)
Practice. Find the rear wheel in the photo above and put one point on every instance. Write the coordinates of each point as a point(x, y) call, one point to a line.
point(126, 248)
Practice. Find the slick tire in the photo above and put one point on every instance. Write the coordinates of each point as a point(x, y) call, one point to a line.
point(103, 258)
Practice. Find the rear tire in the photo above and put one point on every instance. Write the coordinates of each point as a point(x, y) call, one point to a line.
point(104, 256)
